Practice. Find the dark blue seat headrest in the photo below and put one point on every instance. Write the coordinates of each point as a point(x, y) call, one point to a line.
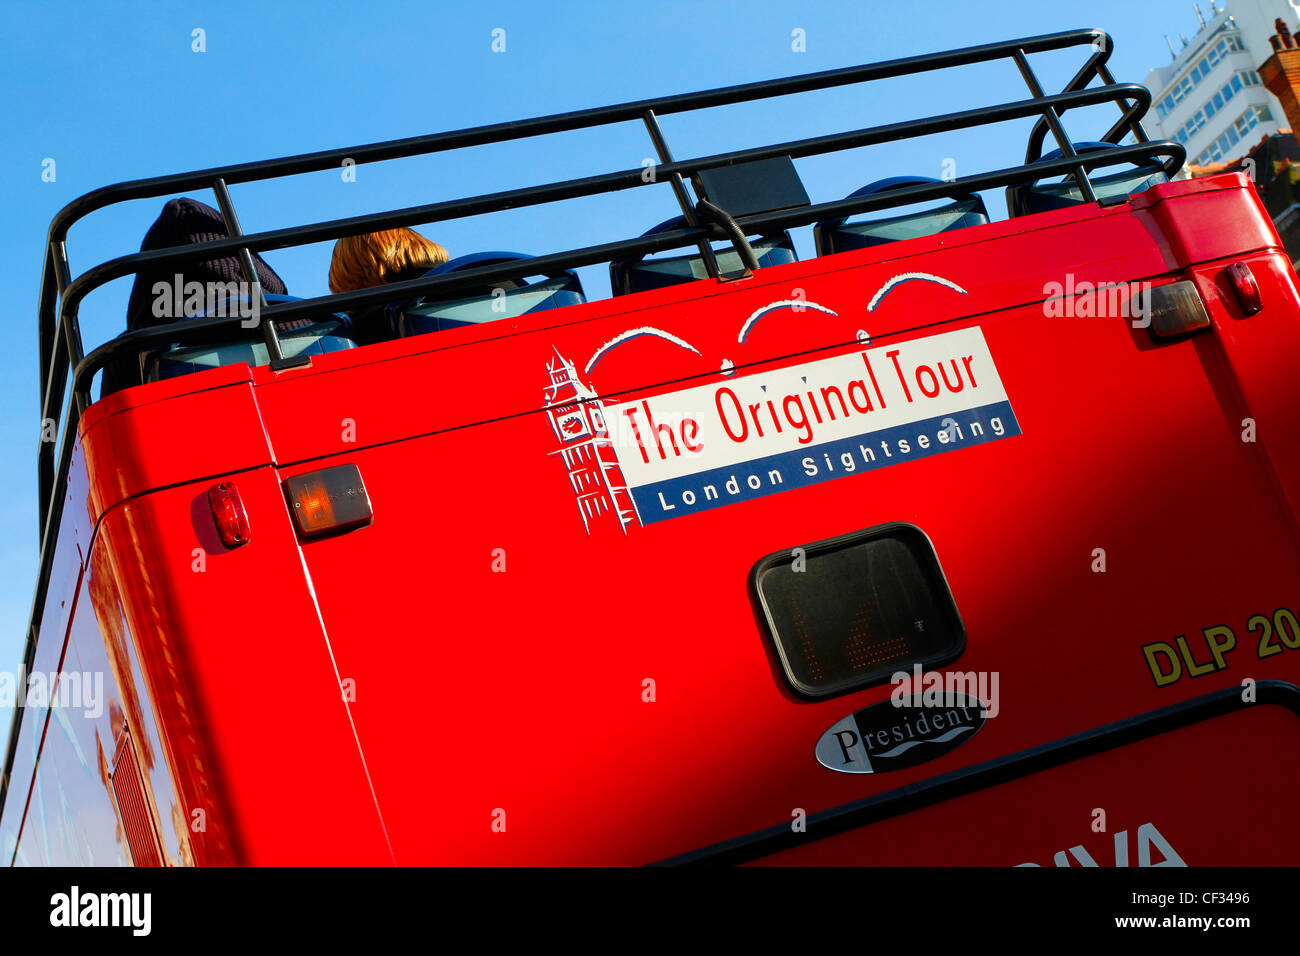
point(893, 182)
point(840, 235)
point(679, 222)
point(331, 334)
point(1038, 196)
point(478, 259)
point(432, 313)
point(473, 259)
point(271, 299)
point(1088, 146)
point(639, 274)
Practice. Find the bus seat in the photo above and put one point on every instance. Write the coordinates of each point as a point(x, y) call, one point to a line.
point(475, 306)
point(330, 334)
point(637, 275)
point(1038, 196)
point(841, 235)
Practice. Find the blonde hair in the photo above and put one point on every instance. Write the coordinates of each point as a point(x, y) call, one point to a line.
point(360, 262)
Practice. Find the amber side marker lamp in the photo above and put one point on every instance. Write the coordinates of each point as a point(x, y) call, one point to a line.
point(1176, 310)
point(331, 499)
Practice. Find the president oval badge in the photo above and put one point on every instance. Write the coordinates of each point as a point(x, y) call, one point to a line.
point(894, 735)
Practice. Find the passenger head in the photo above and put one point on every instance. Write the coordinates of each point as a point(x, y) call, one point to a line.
point(394, 255)
point(181, 222)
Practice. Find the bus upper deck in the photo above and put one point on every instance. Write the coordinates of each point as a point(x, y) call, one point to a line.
point(624, 558)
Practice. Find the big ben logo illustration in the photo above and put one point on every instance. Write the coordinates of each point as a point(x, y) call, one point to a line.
point(577, 417)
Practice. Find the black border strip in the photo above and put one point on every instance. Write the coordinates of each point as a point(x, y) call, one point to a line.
point(850, 816)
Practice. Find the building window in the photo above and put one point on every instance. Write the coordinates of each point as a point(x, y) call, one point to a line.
point(1234, 134)
point(1203, 68)
point(1216, 103)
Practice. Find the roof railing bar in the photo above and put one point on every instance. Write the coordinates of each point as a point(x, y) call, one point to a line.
point(56, 275)
point(1130, 117)
point(44, 309)
point(539, 126)
point(85, 372)
point(679, 190)
point(915, 129)
point(52, 370)
point(190, 329)
point(608, 182)
point(50, 525)
point(71, 325)
point(55, 384)
point(564, 122)
point(44, 480)
point(1003, 177)
point(1054, 121)
point(1079, 81)
point(46, 312)
point(751, 224)
point(1126, 122)
point(51, 412)
point(227, 207)
point(486, 275)
point(64, 339)
point(1135, 125)
point(62, 269)
point(269, 331)
point(1119, 128)
point(412, 288)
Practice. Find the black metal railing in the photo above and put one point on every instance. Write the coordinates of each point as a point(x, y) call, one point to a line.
point(62, 356)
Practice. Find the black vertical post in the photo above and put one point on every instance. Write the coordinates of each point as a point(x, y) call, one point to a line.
point(1054, 122)
point(55, 280)
point(269, 331)
point(71, 325)
point(1135, 125)
point(679, 189)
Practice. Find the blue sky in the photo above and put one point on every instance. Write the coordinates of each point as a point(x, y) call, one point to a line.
point(114, 91)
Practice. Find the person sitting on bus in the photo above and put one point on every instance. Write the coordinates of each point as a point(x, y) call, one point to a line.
point(181, 222)
point(393, 255)
point(378, 258)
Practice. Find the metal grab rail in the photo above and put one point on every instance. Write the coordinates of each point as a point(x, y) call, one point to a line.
point(671, 239)
point(73, 293)
point(593, 185)
point(62, 348)
point(55, 276)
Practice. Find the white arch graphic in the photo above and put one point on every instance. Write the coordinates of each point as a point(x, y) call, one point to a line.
point(908, 277)
point(774, 306)
point(633, 334)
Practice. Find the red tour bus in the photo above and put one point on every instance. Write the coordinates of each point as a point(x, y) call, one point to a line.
point(939, 547)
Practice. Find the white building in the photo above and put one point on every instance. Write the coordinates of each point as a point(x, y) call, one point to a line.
point(1210, 98)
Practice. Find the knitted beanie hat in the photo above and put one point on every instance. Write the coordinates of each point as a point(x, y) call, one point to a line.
point(185, 221)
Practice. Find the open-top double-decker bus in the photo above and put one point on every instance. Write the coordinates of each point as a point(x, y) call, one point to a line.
point(927, 549)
